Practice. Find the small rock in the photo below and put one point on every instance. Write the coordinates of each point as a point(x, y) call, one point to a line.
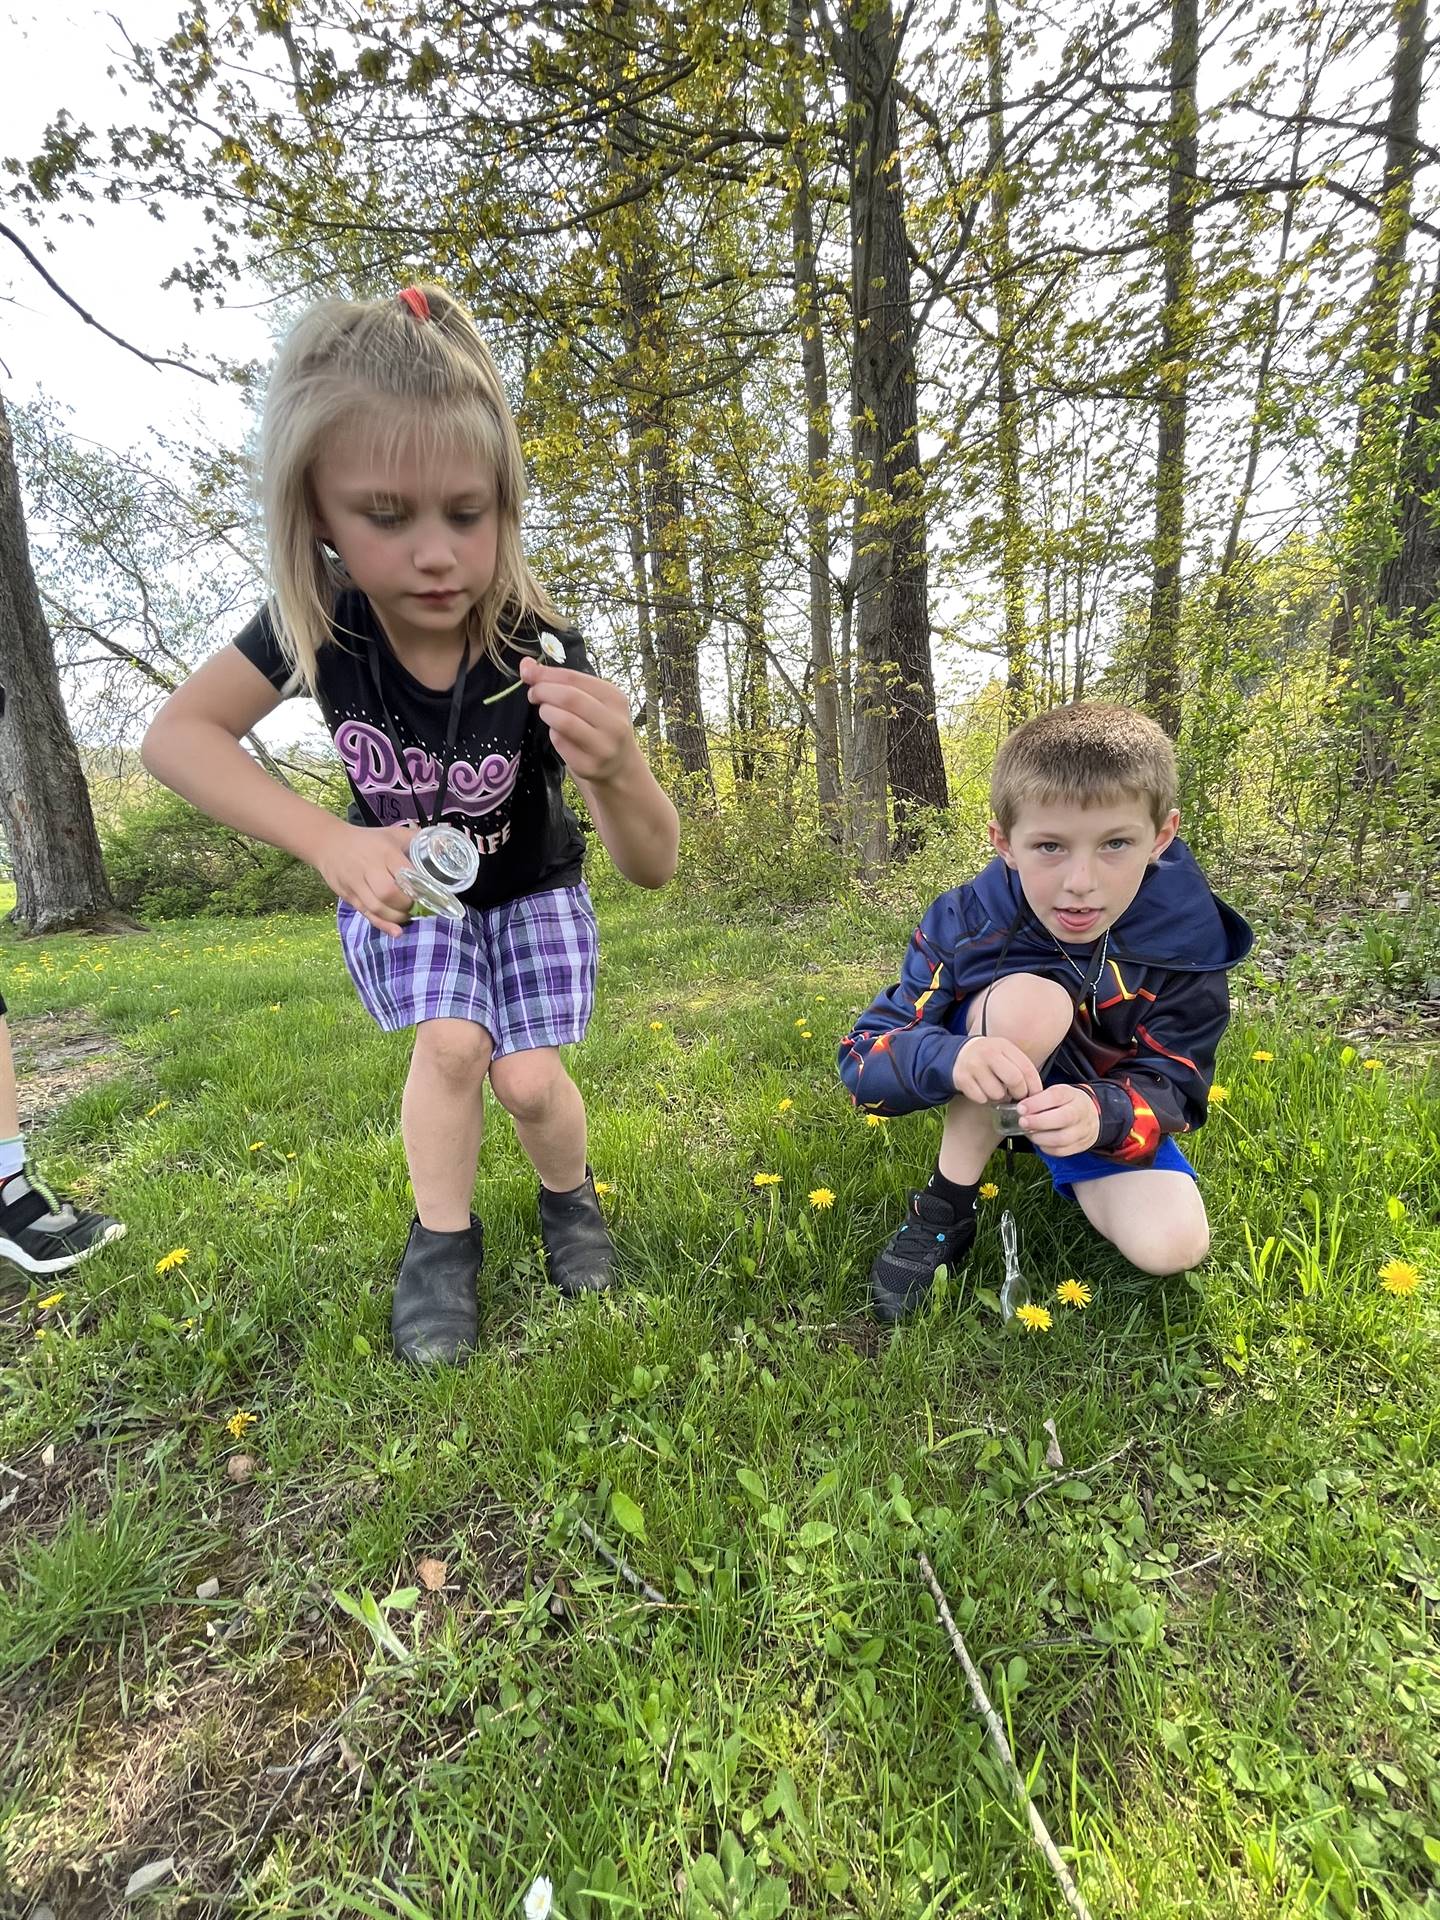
point(208, 1590)
point(240, 1467)
point(47, 1460)
point(431, 1573)
point(557, 1607)
point(144, 1878)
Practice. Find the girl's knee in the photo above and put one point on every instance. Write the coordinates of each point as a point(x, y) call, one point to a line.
point(526, 1083)
point(458, 1050)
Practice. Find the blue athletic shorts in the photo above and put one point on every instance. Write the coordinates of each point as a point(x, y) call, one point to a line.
point(1070, 1170)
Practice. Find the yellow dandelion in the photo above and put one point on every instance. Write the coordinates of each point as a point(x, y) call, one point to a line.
point(1371, 1065)
point(807, 1035)
point(1037, 1319)
point(821, 1197)
point(1218, 1094)
point(785, 1106)
point(176, 1257)
point(820, 999)
point(1074, 1293)
point(174, 1014)
point(256, 1145)
point(804, 1020)
point(1261, 1054)
point(50, 1300)
point(874, 1119)
point(41, 1334)
point(603, 1186)
point(275, 1006)
point(159, 1107)
point(767, 1180)
point(989, 1190)
point(657, 1026)
point(238, 1422)
point(1399, 1276)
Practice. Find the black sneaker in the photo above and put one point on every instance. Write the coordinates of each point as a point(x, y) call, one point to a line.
point(43, 1232)
point(578, 1249)
point(435, 1319)
point(905, 1268)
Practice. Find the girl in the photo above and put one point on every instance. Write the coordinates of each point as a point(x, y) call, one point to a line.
point(392, 480)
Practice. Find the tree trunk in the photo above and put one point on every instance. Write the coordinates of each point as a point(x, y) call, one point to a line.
point(54, 849)
point(894, 686)
point(1013, 540)
point(649, 665)
point(1177, 343)
point(1410, 579)
point(1372, 462)
point(824, 682)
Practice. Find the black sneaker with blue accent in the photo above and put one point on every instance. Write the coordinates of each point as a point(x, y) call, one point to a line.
point(933, 1236)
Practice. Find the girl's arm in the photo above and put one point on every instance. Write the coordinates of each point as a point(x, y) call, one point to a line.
point(193, 745)
point(589, 722)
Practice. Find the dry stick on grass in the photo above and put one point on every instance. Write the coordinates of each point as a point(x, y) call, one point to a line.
point(1039, 1831)
point(1077, 1473)
point(622, 1567)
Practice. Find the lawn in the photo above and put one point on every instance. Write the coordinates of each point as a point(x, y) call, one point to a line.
point(330, 1639)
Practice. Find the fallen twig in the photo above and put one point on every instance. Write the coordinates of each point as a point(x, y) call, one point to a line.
point(1040, 1833)
point(622, 1567)
point(1075, 1473)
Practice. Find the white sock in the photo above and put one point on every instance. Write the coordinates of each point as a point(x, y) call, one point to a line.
point(12, 1156)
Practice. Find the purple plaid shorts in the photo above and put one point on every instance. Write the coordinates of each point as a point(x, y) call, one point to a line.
point(524, 971)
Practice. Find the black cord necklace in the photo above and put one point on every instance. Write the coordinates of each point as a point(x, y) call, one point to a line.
point(452, 728)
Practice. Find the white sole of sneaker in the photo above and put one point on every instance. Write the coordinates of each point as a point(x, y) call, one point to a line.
point(20, 1258)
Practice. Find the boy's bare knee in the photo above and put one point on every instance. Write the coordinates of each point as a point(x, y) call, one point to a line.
point(1024, 1007)
point(526, 1083)
point(1169, 1248)
point(458, 1050)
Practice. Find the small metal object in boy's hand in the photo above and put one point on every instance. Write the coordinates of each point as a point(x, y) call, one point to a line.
point(1015, 1292)
point(1007, 1120)
point(443, 863)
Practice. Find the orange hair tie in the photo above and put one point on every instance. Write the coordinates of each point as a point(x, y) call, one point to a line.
point(415, 300)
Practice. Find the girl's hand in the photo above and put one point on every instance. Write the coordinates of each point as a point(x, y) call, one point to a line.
point(989, 1067)
point(359, 865)
point(589, 719)
point(1061, 1119)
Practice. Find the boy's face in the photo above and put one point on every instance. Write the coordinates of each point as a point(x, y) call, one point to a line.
point(1080, 867)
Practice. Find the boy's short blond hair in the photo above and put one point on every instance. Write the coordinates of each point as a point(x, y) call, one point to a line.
point(1081, 756)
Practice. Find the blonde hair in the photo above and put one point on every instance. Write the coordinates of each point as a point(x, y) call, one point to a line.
point(431, 380)
point(1082, 756)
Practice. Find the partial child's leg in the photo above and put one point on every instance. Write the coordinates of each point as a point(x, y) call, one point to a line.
point(544, 1102)
point(435, 1317)
point(40, 1230)
point(549, 1115)
point(442, 1119)
point(1156, 1218)
point(939, 1226)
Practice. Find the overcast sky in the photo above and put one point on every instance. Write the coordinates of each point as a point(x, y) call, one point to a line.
point(57, 57)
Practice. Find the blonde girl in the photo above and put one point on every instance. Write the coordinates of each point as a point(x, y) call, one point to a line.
point(392, 481)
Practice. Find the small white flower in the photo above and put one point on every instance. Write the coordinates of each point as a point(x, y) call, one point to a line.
point(552, 649)
point(538, 1900)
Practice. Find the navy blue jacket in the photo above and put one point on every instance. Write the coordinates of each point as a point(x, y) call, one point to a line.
point(1161, 1003)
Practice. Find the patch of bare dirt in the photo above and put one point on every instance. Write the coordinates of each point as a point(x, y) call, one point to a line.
point(56, 1056)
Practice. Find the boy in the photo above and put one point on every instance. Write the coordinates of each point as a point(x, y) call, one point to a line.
point(1081, 975)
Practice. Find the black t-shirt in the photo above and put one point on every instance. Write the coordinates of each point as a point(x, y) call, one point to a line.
point(505, 775)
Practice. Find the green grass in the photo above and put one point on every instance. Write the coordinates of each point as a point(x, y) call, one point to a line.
point(1216, 1654)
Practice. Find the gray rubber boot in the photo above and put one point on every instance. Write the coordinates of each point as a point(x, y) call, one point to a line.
point(435, 1320)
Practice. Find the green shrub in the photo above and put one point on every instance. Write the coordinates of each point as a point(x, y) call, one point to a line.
point(167, 861)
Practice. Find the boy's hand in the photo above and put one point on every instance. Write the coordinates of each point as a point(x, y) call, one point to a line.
point(1061, 1119)
point(989, 1068)
point(359, 865)
point(589, 719)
